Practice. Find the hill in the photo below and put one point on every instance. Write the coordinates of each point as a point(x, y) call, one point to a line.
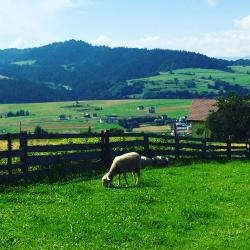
point(192, 83)
point(77, 70)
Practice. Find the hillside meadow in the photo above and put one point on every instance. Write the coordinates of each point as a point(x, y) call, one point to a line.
point(195, 206)
point(194, 80)
point(47, 115)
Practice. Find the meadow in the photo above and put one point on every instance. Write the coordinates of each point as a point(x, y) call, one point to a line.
point(196, 206)
point(194, 80)
point(47, 115)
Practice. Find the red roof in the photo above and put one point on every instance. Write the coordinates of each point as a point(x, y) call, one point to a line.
point(200, 109)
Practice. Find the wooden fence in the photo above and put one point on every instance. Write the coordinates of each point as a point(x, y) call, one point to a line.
point(24, 155)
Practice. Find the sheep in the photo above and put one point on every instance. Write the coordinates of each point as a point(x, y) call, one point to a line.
point(160, 161)
point(129, 162)
point(154, 161)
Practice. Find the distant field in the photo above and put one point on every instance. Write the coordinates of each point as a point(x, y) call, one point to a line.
point(241, 69)
point(194, 80)
point(46, 115)
point(3, 77)
point(199, 206)
point(26, 62)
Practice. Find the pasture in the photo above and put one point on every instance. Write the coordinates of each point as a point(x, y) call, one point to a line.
point(47, 115)
point(194, 80)
point(196, 206)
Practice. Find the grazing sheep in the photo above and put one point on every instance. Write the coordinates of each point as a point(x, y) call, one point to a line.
point(154, 161)
point(160, 161)
point(146, 161)
point(129, 162)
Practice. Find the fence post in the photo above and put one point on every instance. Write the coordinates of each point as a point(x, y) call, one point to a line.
point(106, 157)
point(177, 142)
point(103, 147)
point(24, 154)
point(229, 149)
point(9, 153)
point(146, 145)
point(248, 149)
point(204, 148)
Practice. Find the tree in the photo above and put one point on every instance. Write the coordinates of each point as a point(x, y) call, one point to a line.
point(231, 120)
point(40, 131)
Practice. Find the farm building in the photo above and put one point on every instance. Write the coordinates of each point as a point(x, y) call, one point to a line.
point(164, 117)
point(86, 115)
point(140, 107)
point(62, 117)
point(197, 116)
point(109, 119)
point(151, 110)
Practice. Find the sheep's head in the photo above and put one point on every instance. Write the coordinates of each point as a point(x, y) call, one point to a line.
point(106, 180)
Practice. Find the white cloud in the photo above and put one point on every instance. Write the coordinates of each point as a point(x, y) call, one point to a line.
point(18, 43)
point(243, 23)
point(25, 23)
point(59, 5)
point(222, 44)
point(145, 42)
point(212, 3)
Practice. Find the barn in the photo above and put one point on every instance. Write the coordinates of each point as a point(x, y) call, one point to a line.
point(197, 116)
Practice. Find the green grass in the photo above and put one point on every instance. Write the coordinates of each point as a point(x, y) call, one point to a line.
point(200, 77)
point(26, 62)
point(46, 115)
point(3, 77)
point(200, 206)
point(241, 69)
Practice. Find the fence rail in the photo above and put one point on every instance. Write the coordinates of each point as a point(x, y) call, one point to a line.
point(25, 154)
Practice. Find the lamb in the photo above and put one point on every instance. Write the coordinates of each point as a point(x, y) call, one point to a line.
point(130, 162)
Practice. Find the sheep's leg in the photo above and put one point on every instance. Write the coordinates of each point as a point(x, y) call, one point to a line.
point(125, 177)
point(133, 173)
point(138, 177)
point(119, 180)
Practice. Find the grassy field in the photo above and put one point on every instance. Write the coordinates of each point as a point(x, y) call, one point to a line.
point(26, 62)
point(241, 69)
point(46, 115)
point(199, 206)
point(3, 77)
point(200, 78)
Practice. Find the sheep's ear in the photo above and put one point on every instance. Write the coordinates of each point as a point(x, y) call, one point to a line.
point(108, 178)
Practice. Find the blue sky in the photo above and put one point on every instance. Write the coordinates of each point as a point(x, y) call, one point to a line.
point(219, 28)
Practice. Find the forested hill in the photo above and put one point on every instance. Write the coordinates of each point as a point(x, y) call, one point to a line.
point(75, 69)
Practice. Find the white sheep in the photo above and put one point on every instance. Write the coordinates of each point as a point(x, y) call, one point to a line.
point(160, 160)
point(154, 161)
point(130, 162)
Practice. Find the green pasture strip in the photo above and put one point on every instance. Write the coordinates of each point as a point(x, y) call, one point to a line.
point(241, 69)
point(200, 206)
point(47, 115)
point(2, 77)
point(25, 62)
point(179, 79)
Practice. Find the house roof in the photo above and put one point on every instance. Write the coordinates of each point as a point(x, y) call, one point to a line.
point(200, 109)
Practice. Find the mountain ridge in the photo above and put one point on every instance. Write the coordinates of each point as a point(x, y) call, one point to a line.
point(78, 70)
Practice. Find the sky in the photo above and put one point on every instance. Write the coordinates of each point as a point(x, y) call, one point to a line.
point(218, 28)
